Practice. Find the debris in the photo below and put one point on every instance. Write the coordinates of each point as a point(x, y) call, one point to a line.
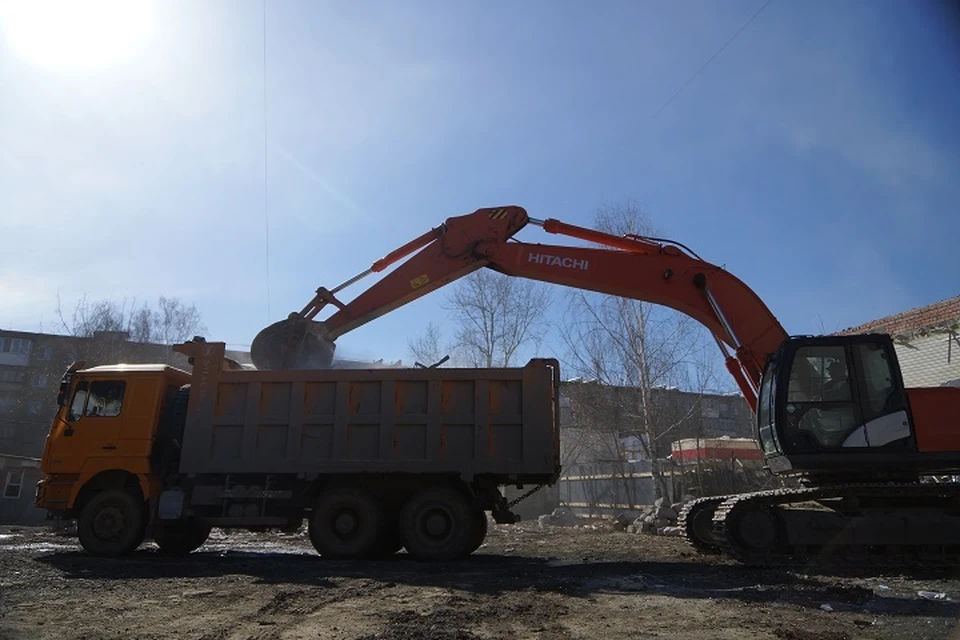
point(561, 517)
point(939, 596)
point(666, 513)
point(623, 521)
point(826, 607)
point(660, 518)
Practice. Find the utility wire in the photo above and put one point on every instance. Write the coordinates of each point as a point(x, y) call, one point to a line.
point(266, 201)
point(711, 59)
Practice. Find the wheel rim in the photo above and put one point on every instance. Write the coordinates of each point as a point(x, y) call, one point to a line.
point(109, 523)
point(346, 524)
point(436, 524)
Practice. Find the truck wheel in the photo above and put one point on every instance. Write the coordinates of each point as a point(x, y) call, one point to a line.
point(479, 531)
point(437, 524)
point(181, 538)
point(346, 523)
point(112, 524)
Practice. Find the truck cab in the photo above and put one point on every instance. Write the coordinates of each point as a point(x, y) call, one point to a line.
point(110, 437)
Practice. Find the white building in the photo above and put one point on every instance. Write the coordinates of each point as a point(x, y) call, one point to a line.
point(927, 341)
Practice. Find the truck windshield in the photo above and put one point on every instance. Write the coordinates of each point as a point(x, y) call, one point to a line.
point(101, 398)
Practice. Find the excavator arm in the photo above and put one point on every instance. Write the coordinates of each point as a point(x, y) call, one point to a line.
point(635, 267)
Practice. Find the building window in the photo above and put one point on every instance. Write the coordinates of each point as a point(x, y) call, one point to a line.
point(46, 353)
point(8, 374)
point(41, 382)
point(7, 432)
point(11, 489)
point(36, 407)
point(14, 345)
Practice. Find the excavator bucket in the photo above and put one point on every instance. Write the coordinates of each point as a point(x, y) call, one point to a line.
point(294, 343)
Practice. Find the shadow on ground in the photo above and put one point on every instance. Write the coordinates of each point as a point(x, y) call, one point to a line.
point(497, 574)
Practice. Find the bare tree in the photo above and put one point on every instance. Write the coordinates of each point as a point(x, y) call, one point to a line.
point(428, 348)
point(496, 316)
point(169, 322)
point(173, 321)
point(643, 348)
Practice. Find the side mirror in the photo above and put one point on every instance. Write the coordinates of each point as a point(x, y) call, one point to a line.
point(64, 392)
point(62, 395)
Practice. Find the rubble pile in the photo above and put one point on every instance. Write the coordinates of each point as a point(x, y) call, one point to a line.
point(561, 517)
point(660, 519)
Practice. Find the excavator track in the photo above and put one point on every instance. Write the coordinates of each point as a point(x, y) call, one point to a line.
point(909, 524)
point(695, 521)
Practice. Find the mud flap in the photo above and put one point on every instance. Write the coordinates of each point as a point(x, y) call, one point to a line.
point(170, 505)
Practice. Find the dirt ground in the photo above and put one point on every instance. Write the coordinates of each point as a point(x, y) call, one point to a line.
point(525, 582)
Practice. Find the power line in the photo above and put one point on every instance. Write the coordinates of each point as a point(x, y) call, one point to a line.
point(266, 205)
point(711, 59)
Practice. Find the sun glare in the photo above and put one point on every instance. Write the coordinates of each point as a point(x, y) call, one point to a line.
point(65, 35)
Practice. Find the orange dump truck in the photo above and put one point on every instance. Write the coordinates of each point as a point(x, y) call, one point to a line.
point(374, 460)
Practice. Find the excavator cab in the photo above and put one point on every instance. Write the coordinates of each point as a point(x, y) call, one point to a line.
point(833, 404)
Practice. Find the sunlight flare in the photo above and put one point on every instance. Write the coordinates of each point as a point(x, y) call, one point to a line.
point(61, 35)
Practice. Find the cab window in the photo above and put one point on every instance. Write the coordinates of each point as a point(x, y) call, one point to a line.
point(880, 395)
point(102, 399)
point(819, 374)
point(820, 412)
point(79, 401)
point(766, 409)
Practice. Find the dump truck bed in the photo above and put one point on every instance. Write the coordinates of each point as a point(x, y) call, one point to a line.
point(500, 422)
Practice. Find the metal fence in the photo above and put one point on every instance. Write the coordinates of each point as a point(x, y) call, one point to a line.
point(609, 488)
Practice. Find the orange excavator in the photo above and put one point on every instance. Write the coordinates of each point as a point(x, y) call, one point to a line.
point(830, 410)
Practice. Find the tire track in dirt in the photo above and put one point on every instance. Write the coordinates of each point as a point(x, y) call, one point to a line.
point(478, 617)
point(293, 612)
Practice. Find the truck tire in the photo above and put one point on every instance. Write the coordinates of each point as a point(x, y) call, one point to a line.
point(111, 524)
point(438, 524)
point(479, 531)
point(181, 538)
point(346, 523)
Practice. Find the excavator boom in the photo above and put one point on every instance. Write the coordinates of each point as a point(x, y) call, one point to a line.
point(628, 266)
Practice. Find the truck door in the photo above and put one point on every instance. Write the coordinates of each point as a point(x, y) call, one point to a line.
point(883, 403)
point(93, 423)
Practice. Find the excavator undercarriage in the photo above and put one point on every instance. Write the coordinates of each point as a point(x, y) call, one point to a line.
point(874, 524)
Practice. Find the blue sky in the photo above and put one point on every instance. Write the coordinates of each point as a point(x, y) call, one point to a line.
point(816, 157)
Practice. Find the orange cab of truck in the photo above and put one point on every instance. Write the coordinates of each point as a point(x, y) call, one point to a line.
point(103, 445)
